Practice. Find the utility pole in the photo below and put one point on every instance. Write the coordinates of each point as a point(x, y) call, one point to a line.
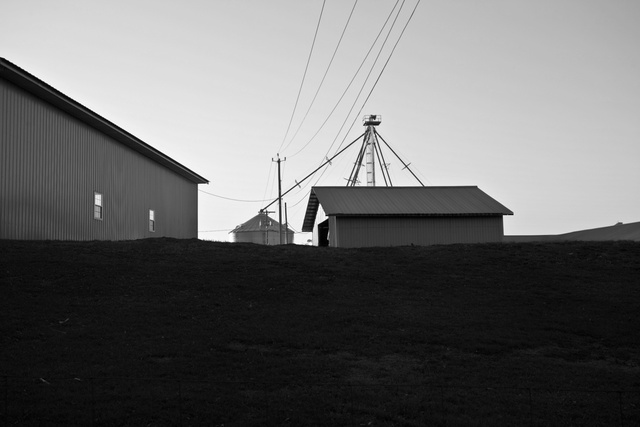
point(286, 225)
point(279, 194)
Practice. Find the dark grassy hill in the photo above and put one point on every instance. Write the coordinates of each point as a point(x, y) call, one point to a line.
point(186, 332)
point(630, 232)
point(615, 232)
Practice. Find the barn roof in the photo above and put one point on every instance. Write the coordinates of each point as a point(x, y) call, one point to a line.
point(394, 201)
point(260, 222)
point(40, 89)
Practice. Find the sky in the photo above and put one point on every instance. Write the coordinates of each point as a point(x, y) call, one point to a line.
point(535, 102)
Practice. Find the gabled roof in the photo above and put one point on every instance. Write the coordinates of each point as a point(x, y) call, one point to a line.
point(260, 222)
point(405, 201)
point(40, 89)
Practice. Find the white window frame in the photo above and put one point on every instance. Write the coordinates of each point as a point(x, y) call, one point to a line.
point(98, 209)
point(152, 220)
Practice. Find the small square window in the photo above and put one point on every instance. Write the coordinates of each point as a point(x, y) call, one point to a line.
point(97, 206)
point(152, 220)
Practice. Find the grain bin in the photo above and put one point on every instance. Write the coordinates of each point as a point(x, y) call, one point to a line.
point(263, 230)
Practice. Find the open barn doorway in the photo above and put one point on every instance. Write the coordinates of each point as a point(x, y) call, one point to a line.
point(323, 233)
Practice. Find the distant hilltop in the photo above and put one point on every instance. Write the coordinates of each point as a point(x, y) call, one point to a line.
point(619, 231)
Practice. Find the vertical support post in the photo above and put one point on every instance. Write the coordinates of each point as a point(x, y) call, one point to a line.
point(266, 227)
point(370, 140)
point(286, 225)
point(370, 157)
point(279, 200)
point(265, 224)
point(279, 195)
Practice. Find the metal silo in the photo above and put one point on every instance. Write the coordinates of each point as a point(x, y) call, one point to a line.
point(261, 229)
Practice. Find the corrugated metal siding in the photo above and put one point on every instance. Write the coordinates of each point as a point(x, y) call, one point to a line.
point(271, 237)
point(259, 237)
point(21, 78)
point(260, 223)
point(52, 164)
point(348, 232)
point(334, 232)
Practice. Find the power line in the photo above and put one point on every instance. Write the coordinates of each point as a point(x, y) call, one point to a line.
point(390, 55)
point(383, 68)
point(369, 74)
point(232, 199)
point(362, 88)
point(335, 51)
point(350, 83)
point(312, 173)
point(365, 82)
point(273, 180)
point(303, 77)
point(266, 187)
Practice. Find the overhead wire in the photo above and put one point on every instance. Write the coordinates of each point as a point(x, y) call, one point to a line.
point(349, 85)
point(366, 79)
point(344, 92)
point(368, 75)
point(362, 88)
point(266, 186)
point(340, 99)
point(299, 92)
point(400, 155)
point(232, 199)
point(283, 168)
point(303, 77)
point(381, 71)
point(315, 96)
point(314, 171)
point(350, 82)
point(274, 181)
point(365, 83)
point(389, 58)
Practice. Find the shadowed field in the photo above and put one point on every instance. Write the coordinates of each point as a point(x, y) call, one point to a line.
point(187, 332)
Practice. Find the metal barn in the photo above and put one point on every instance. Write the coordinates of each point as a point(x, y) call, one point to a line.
point(67, 173)
point(262, 229)
point(397, 216)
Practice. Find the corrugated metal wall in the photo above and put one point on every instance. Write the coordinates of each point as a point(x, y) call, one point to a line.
point(51, 164)
point(349, 232)
point(269, 237)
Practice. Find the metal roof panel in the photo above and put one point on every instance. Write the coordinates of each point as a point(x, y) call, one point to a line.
point(260, 222)
point(420, 201)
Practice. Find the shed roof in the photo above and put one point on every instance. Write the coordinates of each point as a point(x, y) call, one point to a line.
point(395, 201)
point(28, 82)
point(260, 222)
